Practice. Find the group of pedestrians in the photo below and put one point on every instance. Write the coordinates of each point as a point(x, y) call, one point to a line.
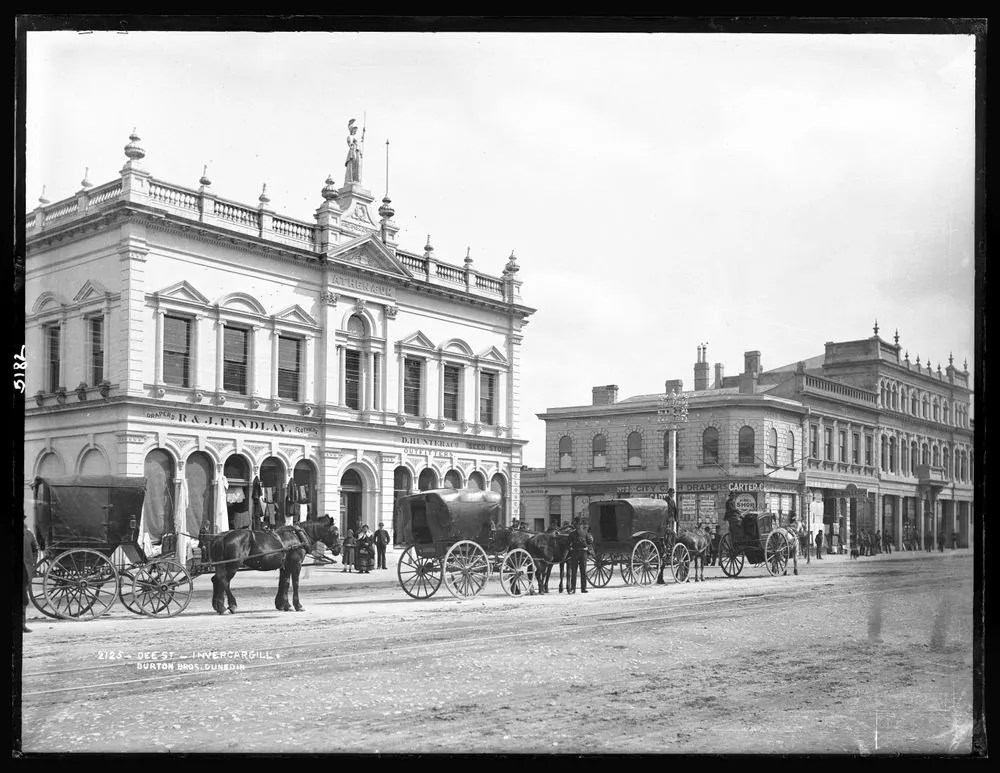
point(366, 551)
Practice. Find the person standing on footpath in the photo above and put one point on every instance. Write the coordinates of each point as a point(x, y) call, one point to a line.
point(819, 544)
point(364, 554)
point(795, 528)
point(30, 561)
point(349, 548)
point(381, 541)
point(579, 543)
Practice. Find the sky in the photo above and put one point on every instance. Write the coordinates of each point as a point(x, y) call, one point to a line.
point(660, 191)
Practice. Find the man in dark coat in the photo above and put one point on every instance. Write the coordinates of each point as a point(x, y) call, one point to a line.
point(381, 540)
point(734, 518)
point(580, 542)
point(819, 544)
point(30, 557)
point(672, 510)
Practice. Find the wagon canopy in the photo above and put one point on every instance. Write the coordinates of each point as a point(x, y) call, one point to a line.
point(84, 511)
point(446, 515)
point(619, 520)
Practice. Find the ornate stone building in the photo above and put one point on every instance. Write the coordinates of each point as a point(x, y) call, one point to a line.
point(209, 344)
point(856, 438)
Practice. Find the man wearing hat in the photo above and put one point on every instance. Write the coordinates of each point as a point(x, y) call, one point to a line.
point(671, 510)
point(30, 560)
point(796, 530)
point(381, 541)
point(580, 542)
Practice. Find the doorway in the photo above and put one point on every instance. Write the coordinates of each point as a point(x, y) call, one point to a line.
point(351, 490)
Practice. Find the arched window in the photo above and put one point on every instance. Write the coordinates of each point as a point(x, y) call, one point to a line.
point(925, 455)
point(453, 478)
point(936, 457)
point(937, 410)
point(946, 461)
point(892, 455)
point(565, 453)
point(914, 458)
point(356, 325)
point(926, 407)
point(772, 448)
point(634, 449)
point(710, 446)
point(895, 397)
point(428, 480)
point(883, 457)
point(881, 394)
point(791, 448)
point(477, 481)
point(913, 404)
point(599, 449)
point(746, 445)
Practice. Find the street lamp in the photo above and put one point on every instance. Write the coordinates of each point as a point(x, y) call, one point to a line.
point(673, 412)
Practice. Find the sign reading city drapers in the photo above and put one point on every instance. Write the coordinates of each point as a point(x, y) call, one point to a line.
point(364, 285)
point(222, 422)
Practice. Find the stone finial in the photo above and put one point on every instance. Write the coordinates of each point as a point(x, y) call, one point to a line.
point(906, 357)
point(428, 248)
point(203, 180)
point(329, 191)
point(895, 338)
point(918, 360)
point(132, 150)
point(468, 257)
point(951, 360)
point(85, 183)
point(965, 366)
point(512, 267)
point(939, 368)
point(263, 198)
point(386, 211)
point(41, 199)
point(876, 327)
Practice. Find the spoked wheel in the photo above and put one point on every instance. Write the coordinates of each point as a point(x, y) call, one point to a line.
point(680, 562)
point(160, 588)
point(776, 553)
point(466, 569)
point(81, 584)
point(517, 573)
point(126, 594)
point(419, 577)
point(38, 588)
point(645, 562)
point(599, 571)
point(729, 559)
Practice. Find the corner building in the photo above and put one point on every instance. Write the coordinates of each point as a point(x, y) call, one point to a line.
point(209, 345)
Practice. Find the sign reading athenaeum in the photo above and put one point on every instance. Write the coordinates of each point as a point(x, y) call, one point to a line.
point(224, 422)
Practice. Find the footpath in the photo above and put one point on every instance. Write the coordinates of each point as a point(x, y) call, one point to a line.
point(326, 575)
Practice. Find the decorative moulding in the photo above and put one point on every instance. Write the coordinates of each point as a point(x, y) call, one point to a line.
point(159, 391)
point(39, 397)
point(307, 410)
point(391, 311)
point(400, 418)
point(81, 391)
point(105, 388)
point(220, 399)
point(198, 395)
point(275, 405)
point(254, 403)
point(61, 395)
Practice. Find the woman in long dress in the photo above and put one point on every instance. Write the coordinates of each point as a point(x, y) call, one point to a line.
point(365, 554)
point(349, 551)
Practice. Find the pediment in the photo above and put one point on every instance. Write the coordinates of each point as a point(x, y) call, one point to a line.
point(46, 301)
point(297, 315)
point(369, 253)
point(457, 346)
point(493, 355)
point(91, 290)
point(242, 302)
point(183, 291)
point(418, 340)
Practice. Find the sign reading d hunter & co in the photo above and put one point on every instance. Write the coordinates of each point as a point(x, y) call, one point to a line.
point(471, 445)
point(224, 422)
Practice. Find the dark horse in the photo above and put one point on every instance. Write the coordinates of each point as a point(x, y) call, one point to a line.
point(548, 549)
point(698, 546)
point(282, 548)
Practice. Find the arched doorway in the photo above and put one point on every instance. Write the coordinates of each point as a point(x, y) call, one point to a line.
point(237, 472)
point(499, 486)
point(157, 507)
point(402, 483)
point(351, 491)
point(428, 480)
point(94, 463)
point(272, 487)
point(304, 476)
point(477, 481)
point(198, 472)
point(453, 478)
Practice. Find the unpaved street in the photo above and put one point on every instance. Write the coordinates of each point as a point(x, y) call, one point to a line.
point(869, 656)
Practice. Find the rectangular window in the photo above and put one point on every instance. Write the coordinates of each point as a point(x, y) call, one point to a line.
point(843, 447)
point(413, 373)
point(452, 384)
point(289, 367)
point(352, 379)
point(828, 443)
point(856, 448)
point(813, 443)
point(235, 349)
point(53, 334)
point(376, 383)
point(96, 335)
point(487, 397)
point(869, 447)
point(177, 351)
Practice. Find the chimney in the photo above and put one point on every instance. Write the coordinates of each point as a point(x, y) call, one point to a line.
point(673, 383)
point(718, 376)
point(751, 363)
point(701, 369)
point(605, 395)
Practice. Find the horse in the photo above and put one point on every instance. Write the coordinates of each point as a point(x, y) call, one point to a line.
point(548, 549)
point(282, 548)
point(323, 530)
point(698, 546)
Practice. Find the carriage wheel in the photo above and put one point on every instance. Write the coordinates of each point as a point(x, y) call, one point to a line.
point(466, 569)
point(126, 579)
point(599, 571)
point(38, 588)
point(729, 559)
point(517, 572)
point(680, 562)
point(645, 562)
point(81, 584)
point(160, 588)
point(625, 569)
point(419, 577)
point(776, 553)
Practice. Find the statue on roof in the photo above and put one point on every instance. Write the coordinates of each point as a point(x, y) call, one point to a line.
point(352, 166)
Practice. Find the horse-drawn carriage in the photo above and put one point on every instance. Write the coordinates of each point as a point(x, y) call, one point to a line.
point(758, 539)
point(90, 556)
point(451, 536)
point(635, 535)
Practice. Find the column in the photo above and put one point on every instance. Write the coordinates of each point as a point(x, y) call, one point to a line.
point(158, 353)
point(195, 350)
point(274, 363)
point(180, 517)
point(440, 391)
point(475, 406)
point(106, 339)
point(252, 360)
point(897, 528)
point(307, 392)
point(341, 370)
point(220, 329)
point(369, 380)
point(402, 375)
point(919, 504)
